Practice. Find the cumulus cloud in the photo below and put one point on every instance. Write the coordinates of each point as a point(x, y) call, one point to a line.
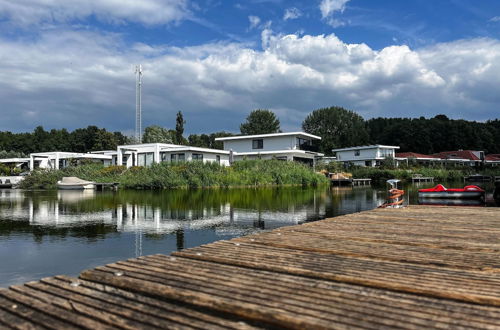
point(79, 78)
point(291, 13)
point(329, 7)
point(149, 12)
point(495, 19)
point(254, 21)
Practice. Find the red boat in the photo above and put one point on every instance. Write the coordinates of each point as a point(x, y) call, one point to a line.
point(440, 191)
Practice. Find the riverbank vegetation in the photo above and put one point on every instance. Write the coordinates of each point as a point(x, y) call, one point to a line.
point(387, 171)
point(184, 175)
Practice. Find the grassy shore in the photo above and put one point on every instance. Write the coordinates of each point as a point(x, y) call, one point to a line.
point(184, 175)
point(439, 174)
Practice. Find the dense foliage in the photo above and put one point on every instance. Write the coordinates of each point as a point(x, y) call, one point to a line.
point(184, 175)
point(207, 140)
point(87, 139)
point(156, 134)
point(260, 121)
point(337, 128)
point(434, 135)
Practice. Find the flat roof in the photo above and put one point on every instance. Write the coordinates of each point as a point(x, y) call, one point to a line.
point(143, 145)
point(63, 155)
point(243, 137)
point(367, 147)
point(291, 151)
point(189, 148)
point(14, 160)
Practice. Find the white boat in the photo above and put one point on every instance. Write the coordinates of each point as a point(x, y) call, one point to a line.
point(74, 183)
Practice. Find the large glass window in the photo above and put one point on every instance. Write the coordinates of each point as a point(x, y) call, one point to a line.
point(141, 159)
point(197, 156)
point(145, 159)
point(217, 159)
point(150, 158)
point(258, 144)
point(356, 152)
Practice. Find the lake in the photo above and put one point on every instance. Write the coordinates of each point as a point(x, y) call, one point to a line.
point(46, 233)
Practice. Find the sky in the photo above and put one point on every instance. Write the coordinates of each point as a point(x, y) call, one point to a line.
point(70, 63)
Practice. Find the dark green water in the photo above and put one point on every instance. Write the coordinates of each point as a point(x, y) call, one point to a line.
point(45, 233)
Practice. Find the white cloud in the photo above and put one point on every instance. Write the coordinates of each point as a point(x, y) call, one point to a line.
point(495, 19)
point(254, 21)
point(329, 7)
point(75, 79)
point(291, 13)
point(148, 12)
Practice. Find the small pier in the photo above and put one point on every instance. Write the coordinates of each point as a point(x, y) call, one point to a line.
point(361, 182)
point(416, 267)
point(419, 178)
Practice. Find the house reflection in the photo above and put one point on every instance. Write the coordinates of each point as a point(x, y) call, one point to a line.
point(226, 213)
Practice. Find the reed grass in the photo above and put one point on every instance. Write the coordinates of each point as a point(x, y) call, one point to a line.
point(252, 173)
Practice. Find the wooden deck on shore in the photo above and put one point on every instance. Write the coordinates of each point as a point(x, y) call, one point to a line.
point(417, 267)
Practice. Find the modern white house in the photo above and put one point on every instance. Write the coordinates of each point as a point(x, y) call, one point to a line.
point(148, 153)
point(57, 159)
point(370, 156)
point(293, 146)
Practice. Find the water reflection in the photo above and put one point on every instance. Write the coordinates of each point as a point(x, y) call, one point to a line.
point(44, 233)
point(227, 211)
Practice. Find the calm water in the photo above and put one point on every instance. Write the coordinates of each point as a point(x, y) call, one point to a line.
point(44, 233)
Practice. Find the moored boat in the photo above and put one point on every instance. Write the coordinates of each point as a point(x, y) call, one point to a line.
point(74, 183)
point(440, 191)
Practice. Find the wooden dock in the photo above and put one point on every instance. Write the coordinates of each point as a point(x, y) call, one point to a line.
point(420, 178)
point(413, 268)
point(350, 182)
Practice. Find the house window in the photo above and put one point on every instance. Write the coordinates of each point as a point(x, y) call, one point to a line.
point(217, 159)
point(356, 152)
point(258, 144)
point(177, 157)
point(303, 142)
point(197, 157)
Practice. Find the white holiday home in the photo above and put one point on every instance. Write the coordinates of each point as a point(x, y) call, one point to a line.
point(57, 159)
point(293, 146)
point(148, 153)
point(369, 156)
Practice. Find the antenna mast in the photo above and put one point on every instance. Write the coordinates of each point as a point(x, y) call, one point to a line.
point(138, 103)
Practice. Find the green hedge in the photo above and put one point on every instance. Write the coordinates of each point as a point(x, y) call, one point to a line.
point(184, 175)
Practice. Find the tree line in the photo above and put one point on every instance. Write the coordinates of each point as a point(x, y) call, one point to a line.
point(338, 128)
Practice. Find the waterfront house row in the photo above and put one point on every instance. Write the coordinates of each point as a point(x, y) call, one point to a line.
point(295, 146)
point(374, 155)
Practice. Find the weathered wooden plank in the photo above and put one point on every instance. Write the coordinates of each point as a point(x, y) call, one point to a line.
point(331, 295)
point(34, 311)
point(248, 311)
point(473, 260)
point(12, 321)
point(178, 313)
point(444, 283)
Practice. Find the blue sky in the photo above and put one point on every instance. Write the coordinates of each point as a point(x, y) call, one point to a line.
point(69, 63)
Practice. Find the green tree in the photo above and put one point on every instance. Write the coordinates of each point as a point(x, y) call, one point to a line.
point(179, 129)
point(156, 134)
point(337, 128)
point(260, 121)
